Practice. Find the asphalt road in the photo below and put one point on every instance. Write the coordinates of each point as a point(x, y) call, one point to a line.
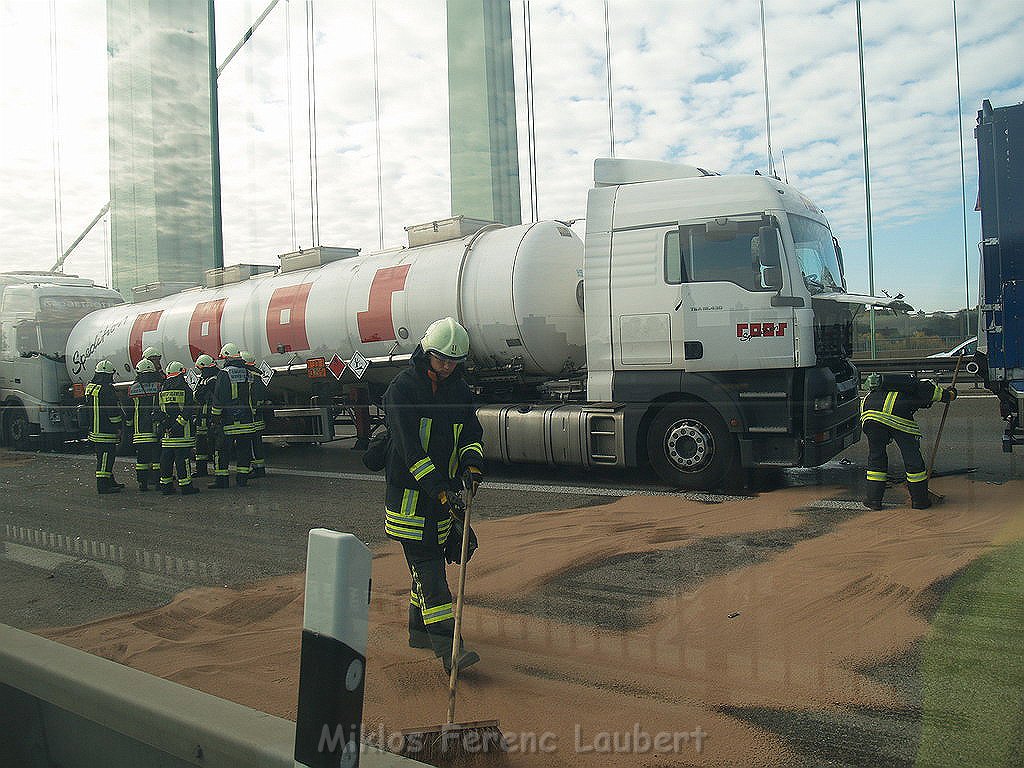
point(68, 555)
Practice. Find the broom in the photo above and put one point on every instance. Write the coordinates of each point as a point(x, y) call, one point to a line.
point(933, 497)
point(456, 743)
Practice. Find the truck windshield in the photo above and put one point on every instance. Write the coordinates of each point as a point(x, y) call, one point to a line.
point(816, 254)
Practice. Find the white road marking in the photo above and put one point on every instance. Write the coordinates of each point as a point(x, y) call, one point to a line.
point(567, 490)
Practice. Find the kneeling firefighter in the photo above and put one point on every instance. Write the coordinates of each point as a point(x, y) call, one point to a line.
point(887, 415)
point(434, 454)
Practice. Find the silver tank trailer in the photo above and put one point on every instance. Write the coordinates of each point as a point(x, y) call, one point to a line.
point(514, 288)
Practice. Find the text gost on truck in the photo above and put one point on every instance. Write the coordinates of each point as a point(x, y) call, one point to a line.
point(37, 312)
point(702, 326)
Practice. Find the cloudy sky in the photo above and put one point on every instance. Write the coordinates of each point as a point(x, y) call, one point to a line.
point(687, 87)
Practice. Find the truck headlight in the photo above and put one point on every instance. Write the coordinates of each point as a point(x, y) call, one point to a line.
point(823, 403)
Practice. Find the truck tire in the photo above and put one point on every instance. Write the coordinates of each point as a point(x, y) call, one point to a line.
point(689, 447)
point(17, 433)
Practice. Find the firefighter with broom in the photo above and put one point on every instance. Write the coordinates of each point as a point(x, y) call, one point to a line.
point(434, 455)
point(887, 415)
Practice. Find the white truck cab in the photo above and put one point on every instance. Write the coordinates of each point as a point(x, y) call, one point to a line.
point(37, 312)
point(720, 301)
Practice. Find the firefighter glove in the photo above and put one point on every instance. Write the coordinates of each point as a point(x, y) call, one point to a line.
point(951, 393)
point(453, 503)
point(471, 477)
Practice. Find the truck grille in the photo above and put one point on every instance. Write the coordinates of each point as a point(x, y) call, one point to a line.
point(833, 344)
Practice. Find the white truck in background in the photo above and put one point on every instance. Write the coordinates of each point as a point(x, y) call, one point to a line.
point(703, 325)
point(37, 312)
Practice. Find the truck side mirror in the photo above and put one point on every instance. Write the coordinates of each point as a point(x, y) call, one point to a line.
point(771, 277)
point(769, 239)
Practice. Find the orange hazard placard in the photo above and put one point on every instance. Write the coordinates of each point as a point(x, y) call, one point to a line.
point(316, 368)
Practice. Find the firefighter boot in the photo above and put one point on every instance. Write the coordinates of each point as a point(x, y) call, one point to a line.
point(919, 498)
point(873, 496)
point(104, 485)
point(143, 484)
point(466, 659)
point(418, 637)
point(188, 490)
point(200, 469)
point(221, 481)
point(242, 479)
point(167, 489)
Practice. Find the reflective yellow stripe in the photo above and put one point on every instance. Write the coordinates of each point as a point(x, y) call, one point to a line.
point(873, 475)
point(410, 500)
point(903, 425)
point(425, 432)
point(404, 524)
point(414, 600)
point(422, 468)
point(471, 448)
point(937, 394)
point(453, 461)
point(890, 401)
point(439, 613)
point(917, 477)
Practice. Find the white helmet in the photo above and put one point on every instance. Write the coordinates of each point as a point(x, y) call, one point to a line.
point(175, 369)
point(205, 361)
point(105, 366)
point(150, 352)
point(447, 339)
point(248, 358)
point(229, 350)
point(145, 366)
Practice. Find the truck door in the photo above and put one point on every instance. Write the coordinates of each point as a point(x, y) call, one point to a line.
point(646, 330)
point(725, 283)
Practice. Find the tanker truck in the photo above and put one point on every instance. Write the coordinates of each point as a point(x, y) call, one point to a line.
point(702, 325)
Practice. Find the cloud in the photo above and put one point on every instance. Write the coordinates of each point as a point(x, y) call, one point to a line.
point(687, 87)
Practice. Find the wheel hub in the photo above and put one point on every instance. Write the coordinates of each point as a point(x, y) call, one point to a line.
point(689, 445)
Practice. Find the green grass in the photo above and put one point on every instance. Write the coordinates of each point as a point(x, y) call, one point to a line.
point(973, 668)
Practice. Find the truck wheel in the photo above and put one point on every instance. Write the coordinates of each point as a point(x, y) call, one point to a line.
point(17, 433)
point(689, 447)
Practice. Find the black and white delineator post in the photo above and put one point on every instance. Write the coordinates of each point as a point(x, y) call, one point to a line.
point(334, 629)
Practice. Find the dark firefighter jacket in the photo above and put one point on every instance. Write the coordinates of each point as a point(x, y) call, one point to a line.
point(177, 413)
point(434, 436)
point(204, 398)
point(258, 399)
point(893, 404)
point(103, 408)
point(144, 393)
point(231, 399)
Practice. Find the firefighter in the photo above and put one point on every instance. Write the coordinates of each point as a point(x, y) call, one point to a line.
point(231, 413)
point(257, 403)
point(154, 355)
point(144, 393)
point(105, 419)
point(434, 454)
point(178, 417)
point(205, 437)
point(887, 415)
